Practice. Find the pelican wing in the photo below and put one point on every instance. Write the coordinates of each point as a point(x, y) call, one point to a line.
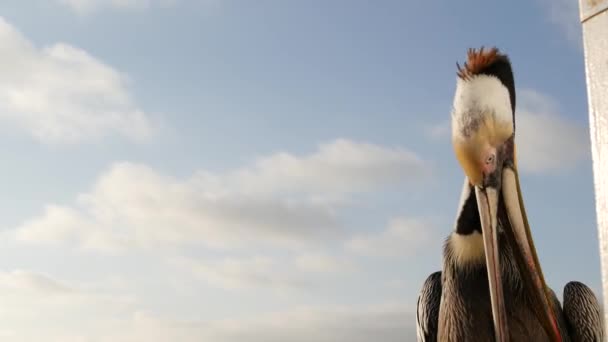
point(427, 315)
point(582, 313)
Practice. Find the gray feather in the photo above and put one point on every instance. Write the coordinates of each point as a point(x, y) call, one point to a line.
point(427, 314)
point(582, 313)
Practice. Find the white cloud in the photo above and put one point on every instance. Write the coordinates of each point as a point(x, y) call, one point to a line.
point(401, 237)
point(33, 298)
point(88, 6)
point(565, 15)
point(67, 225)
point(546, 141)
point(135, 206)
point(389, 323)
point(342, 166)
point(323, 263)
point(30, 282)
point(61, 94)
point(260, 273)
point(109, 315)
point(278, 274)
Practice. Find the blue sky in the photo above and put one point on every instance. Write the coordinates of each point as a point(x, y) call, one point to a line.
point(226, 170)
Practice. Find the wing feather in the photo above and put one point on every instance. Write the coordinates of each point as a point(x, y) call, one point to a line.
point(582, 313)
point(427, 314)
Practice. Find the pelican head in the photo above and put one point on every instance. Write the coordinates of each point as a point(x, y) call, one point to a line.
point(483, 137)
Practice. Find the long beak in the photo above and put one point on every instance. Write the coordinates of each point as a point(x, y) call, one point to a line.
point(487, 202)
point(520, 238)
point(517, 232)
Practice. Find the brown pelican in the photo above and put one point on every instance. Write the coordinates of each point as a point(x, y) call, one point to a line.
point(492, 287)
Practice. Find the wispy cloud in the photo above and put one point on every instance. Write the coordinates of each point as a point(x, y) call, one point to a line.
point(243, 273)
point(105, 316)
point(390, 323)
point(30, 282)
point(547, 141)
point(133, 205)
point(324, 263)
point(88, 6)
point(401, 237)
point(565, 15)
point(34, 297)
point(338, 167)
point(281, 274)
point(62, 94)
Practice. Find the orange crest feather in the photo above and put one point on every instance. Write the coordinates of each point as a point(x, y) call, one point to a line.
point(477, 60)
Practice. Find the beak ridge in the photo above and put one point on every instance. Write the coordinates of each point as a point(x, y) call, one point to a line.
point(487, 202)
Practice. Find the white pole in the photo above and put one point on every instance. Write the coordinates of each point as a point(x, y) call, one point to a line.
point(594, 19)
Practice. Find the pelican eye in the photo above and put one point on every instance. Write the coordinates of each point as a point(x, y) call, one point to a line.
point(490, 159)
